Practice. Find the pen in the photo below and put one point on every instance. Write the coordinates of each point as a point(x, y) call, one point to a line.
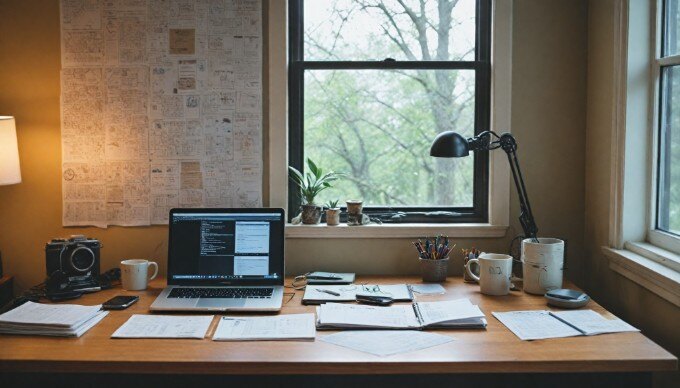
point(328, 292)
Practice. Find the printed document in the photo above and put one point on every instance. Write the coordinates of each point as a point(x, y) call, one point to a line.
point(542, 324)
point(591, 323)
point(432, 313)
point(164, 326)
point(280, 327)
point(385, 343)
point(62, 320)
point(535, 325)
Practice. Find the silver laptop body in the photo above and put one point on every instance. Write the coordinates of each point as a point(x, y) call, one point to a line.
point(224, 260)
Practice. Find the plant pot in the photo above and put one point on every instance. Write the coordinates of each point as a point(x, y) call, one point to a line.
point(311, 214)
point(354, 215)
point(434, 271)
point(333, 217)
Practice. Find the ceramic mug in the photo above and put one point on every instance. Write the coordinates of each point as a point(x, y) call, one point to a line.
point(134, 273)
point(542, 264)
point(494, 273)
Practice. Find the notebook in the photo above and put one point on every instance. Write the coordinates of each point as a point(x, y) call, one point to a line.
point(318, 294)
point(459, 313)
point(543, 324)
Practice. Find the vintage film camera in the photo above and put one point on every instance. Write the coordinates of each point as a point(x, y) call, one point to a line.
point(72, 264)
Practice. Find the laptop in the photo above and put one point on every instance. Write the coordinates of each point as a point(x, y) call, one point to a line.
point(224, 260)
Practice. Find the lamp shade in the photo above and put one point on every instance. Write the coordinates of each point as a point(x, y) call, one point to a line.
point(10, 173)
point(449, 144)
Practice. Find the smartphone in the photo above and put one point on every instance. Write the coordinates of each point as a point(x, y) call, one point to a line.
point(120, 302)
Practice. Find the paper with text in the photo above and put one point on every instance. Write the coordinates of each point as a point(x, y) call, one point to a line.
point(591, 323)
point(57, 315)
point(535, 325)
point(164, 326)
point(161, 107)
point(428, 289)
point(280, 327)
point(343, 315)
point(438, 312)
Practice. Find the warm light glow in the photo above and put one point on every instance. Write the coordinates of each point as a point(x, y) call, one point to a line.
point(10, 173)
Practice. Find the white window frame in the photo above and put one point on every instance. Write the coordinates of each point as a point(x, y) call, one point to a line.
point(637, 250)
point(277, 143)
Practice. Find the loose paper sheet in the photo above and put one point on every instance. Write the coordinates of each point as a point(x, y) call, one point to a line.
point(386, 342)
point(280, 327)
point(535, 325)
point(428, 289)
point(164, 326)
point(161, 107)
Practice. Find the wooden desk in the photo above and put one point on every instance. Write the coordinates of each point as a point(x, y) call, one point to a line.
point(495, 350)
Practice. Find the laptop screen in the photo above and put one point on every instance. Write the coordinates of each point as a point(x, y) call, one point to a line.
point(218, 246)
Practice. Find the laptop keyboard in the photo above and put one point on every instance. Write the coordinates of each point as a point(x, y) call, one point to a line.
point(232, 292)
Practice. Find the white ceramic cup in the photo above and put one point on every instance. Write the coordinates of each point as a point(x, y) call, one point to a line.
point(134, 273)
point(542, 264)
point(494, 273)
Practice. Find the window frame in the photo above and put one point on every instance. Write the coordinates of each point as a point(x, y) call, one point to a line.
point(479, 212)
point(656, 236)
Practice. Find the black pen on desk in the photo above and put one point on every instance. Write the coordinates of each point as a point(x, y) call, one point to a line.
point(328, 292)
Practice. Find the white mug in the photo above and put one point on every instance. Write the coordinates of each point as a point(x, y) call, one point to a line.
point(494, 273)
point(134, 273)
point(542, 264)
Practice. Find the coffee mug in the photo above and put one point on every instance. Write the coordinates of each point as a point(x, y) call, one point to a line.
point(494, 273)
point(134, 273)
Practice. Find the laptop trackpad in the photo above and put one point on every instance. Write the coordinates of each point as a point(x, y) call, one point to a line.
point(220, 303)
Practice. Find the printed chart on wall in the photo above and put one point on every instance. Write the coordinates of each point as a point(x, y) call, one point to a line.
point(161, 107)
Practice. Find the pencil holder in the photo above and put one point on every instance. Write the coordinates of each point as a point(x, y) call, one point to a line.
point(434, 271)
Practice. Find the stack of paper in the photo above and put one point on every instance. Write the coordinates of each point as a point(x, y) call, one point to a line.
point(280, 327)
point(459, 313)
point(542, 324)
point(164, 326)
point(62, 320)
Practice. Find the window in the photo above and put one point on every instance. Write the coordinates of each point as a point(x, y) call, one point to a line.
point(371, 83)
point(666, 228)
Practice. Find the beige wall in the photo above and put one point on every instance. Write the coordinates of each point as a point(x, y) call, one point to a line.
point(548, 119)
point(656, 317)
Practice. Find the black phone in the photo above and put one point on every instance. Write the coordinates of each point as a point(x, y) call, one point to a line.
point(120, 302)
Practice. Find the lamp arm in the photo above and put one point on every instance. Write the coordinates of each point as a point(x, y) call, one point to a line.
point(526, 218)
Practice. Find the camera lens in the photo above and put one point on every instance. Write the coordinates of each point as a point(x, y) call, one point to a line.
point(82, 259)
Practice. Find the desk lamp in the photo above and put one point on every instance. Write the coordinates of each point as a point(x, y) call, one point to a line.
point(450, 144)
point(10, 173)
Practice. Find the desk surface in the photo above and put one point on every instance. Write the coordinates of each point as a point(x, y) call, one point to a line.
point(493, 350)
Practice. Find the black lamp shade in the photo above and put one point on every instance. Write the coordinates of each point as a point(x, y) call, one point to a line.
point(449, 144)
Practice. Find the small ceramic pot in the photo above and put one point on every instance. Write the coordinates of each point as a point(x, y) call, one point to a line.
point(311, 214)
point(354, 206)
point(333, 217)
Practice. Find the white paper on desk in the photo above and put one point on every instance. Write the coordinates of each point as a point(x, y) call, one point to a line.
point(344, 315)
point(535, 325)
point(428, 289)
point(591, 323)
point(445, 311)
point(386, 342)
point(50, 315)
point(279, 327)
point(347, 292)
point(164, 326)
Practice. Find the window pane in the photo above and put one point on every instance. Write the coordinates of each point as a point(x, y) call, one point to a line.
point(672, 44)
point(377, 126)
point(669, 163)
point(442, 30)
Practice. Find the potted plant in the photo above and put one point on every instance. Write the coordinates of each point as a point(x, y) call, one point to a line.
point(332, 213)
point(311, 184)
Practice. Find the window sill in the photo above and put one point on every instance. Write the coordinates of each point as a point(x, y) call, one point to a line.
point(395, 231)
point(649, 272)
